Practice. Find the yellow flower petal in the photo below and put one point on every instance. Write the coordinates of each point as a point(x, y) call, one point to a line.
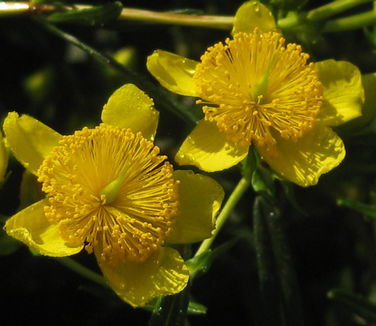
point(304, 161)
point(129, 107)
point(200, 199)
point(31, 227)
point(251, 15)
point(3, 159)
point(173, 71)
point(343, 91)
point(29, 139)
point(368, 109)
point(163, 273)
point(208, 149)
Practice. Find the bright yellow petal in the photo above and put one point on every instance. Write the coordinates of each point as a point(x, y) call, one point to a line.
point(31, 227)
point(129, 107)
point(173, 71)
point(200, 199)
point(164, 273)
point(29, 139)
point(343, 91)
point(304, 161)
point(208, 149)
point(251, 15)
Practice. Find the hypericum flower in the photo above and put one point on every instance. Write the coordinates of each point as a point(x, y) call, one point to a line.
point(110, 191)
point(257, 90)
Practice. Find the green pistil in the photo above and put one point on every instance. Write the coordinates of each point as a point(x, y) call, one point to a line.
point(261, 86)
point(111, 191)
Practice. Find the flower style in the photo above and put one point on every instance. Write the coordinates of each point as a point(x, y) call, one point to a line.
point(111, 192)
point(257, 90)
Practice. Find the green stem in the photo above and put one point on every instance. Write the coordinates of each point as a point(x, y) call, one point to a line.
point(227, 209)
point(217, 22)
point(333, 8)
point(82, 270)
point(350, 22)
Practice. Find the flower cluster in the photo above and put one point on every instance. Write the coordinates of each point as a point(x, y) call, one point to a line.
point(258, 90)
point(110, 191)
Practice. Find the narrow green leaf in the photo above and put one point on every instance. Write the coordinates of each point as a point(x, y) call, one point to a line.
point(285, 270)
point(270, 297)
point(195, 308)
point(289, 190)
point(355, 303)
point(365, 209)
point(92, 16)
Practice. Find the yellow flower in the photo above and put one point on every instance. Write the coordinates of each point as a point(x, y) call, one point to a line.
point(258, 90)
point(3, 159)
point(111, 192)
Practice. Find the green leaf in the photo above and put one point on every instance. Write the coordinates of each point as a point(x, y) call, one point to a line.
point(270, 294)
point(355, 303)
point(365, 209)
point(92, 16)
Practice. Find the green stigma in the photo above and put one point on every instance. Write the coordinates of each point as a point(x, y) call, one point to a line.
point(261, 86)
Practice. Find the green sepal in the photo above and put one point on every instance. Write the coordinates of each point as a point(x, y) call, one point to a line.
point(250, 164)
point(98, 15)
point(263, 182)
point(355, 303)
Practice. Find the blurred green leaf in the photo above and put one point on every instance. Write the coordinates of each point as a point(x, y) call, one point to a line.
point(355, 303)
point(365, 209)
point(92, 16)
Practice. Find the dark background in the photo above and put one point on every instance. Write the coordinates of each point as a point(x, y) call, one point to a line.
point(50, 79)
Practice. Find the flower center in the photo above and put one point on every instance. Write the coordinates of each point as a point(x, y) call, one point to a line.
point(253, 86)
point(109, 189)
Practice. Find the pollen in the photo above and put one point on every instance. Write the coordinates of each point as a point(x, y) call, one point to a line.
point(254, 86)
point(125, 222)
